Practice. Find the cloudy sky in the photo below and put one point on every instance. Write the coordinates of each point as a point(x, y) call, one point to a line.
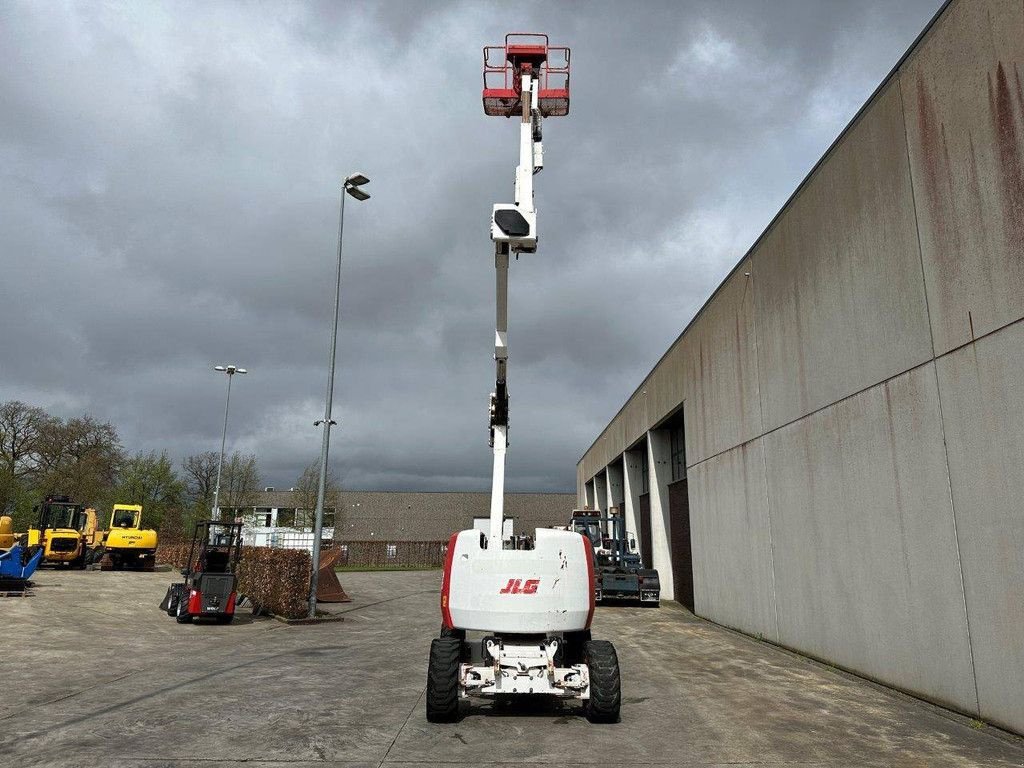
point(169, 177)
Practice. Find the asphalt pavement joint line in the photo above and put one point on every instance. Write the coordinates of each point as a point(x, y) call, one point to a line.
point(620, 764)
point(247, 760)
point(234, 651)
point(391, 746)
point(125, 619)
point(388, 600)
point(75, 693)
point(166, 689)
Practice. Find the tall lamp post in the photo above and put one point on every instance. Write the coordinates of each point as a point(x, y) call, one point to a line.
point(350, 186)
point(230, 370)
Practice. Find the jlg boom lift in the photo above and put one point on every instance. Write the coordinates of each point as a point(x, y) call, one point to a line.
point(532, 598)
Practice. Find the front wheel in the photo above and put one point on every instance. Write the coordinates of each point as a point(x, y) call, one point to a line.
point(603, 667)
point(183, 616)
point(443, 680)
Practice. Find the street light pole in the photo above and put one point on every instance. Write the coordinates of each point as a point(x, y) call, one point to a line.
point(351, 186)
point(230, 370)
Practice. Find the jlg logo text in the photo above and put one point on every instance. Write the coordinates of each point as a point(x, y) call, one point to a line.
point(520, 587)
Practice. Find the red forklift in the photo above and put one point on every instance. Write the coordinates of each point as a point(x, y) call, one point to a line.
point(209, 590)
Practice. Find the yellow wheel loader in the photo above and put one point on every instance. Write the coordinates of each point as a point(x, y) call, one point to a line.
point(127, 544)
point(59, 532)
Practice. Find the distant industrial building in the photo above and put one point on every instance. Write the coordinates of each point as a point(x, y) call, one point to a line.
point(831, 454)
point(283, 517)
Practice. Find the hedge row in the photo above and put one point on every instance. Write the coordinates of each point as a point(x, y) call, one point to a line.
point(174, 554)
point(274, 579)
point(382, 554)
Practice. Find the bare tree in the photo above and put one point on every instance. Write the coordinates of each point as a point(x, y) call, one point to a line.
point(307, 487)
point(200, 479)
point(19, 440)
point(240, 481)
point(20, 425)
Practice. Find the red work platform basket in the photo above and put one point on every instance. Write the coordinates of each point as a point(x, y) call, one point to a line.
point(503, 65)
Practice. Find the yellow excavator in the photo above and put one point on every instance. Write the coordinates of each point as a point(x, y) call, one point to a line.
point(127, 544)
point(59, 532)
point(7, 536)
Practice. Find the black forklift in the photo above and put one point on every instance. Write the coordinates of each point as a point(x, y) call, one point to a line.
point(209, 590)
point(619, 573)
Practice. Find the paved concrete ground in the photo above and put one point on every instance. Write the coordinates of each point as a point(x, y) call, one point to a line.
point(91, 674)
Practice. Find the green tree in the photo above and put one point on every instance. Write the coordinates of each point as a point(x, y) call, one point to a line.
point(79, 457)
point(149, 479)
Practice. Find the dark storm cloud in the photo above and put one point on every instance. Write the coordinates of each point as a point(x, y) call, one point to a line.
point(169, 201)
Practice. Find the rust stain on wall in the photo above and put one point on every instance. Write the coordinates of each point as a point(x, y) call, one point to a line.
point(937, 176)
point(1008, 138)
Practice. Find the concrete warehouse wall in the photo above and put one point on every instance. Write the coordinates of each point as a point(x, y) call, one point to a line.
point(852, 395)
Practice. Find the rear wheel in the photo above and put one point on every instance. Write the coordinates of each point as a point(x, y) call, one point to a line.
point(443, 680)
point(605, 696)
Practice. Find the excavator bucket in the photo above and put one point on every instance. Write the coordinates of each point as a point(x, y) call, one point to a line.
point(328, 588)
point(17, 565)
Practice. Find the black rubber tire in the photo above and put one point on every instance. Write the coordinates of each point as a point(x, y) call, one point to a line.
point(605, 694)
point(443, 680)
point(183, 616)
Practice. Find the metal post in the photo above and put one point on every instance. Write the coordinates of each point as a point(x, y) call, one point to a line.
point(223, 440)
point(318, 524)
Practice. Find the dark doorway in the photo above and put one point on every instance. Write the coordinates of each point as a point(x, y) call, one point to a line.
point(645, 529)
point(682, 552)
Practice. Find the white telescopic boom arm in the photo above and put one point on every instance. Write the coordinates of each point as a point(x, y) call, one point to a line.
point(531, 156)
